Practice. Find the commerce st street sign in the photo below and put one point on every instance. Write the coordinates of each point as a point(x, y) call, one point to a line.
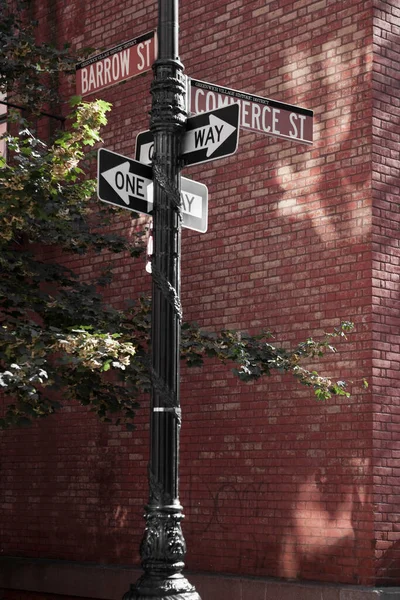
point(256, 113)
point(127, 183)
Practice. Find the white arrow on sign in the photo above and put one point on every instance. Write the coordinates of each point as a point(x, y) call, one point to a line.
point(208, 137)
point(126, 184)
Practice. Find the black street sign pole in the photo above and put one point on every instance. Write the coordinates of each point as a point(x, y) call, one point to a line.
point(163, 546)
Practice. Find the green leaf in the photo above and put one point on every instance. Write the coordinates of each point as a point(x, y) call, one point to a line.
point(75, 100)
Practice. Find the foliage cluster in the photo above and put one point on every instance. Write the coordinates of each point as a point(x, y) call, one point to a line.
point(57, 335)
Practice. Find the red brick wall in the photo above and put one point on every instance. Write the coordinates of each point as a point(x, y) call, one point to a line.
point(285, 483)
point(273, 483)
point(385, 287)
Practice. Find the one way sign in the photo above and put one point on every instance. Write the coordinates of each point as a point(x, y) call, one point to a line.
point(128, 184)
point(122, 181)
point(211, 135)
point(208, 136)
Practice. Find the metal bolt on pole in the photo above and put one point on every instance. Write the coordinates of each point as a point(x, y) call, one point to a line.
point(163, 546)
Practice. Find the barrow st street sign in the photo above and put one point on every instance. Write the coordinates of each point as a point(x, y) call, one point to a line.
point(120, 63)
point(128, 184)
point(208, 136)
point(257, 114)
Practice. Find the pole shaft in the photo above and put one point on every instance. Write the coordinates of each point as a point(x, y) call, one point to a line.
point(163, 546)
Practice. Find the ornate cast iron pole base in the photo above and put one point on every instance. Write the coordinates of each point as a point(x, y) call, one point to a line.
point(163, 546)
point(163, 549)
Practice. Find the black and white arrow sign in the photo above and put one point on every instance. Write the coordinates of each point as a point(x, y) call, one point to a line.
point(211, 135)
point(208, 136)
point(144, 147)
point(194, 199)
point(128, 184)
point(123, 181)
